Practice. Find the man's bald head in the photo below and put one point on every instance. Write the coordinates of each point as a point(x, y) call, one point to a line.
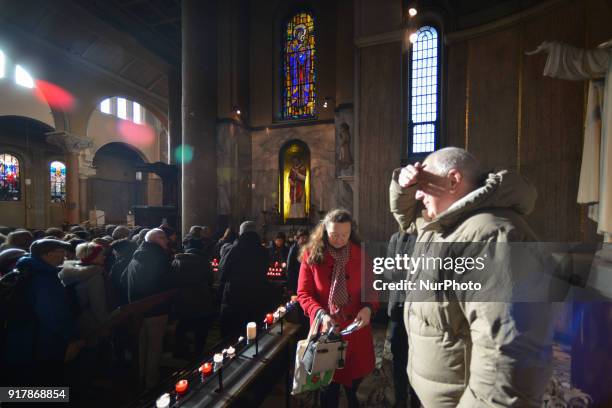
point(157, 236)
point(442, 161)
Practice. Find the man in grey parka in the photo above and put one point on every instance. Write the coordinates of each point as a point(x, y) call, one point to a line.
point(466, 353)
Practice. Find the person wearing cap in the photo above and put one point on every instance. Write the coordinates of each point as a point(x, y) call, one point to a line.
point(8, 259)
point(35, 353)
point(120, 232)
point(86, 276)
point(18, 239)
point(246, 292)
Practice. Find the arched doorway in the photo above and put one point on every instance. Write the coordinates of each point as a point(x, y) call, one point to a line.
point(294, 181)
point(116, 187)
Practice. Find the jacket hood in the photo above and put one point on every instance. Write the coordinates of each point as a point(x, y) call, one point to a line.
point(504, 189)
point(35, 265)
point(73, 271)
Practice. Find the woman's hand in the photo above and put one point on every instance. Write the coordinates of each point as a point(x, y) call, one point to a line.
point(363, 317)
point(327, 322)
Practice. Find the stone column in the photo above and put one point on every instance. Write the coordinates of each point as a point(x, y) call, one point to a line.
point(72, 145)
point(174, 114)
point(199, 84)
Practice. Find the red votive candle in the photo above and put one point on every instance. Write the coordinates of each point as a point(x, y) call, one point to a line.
point(181, 386)
point(269, 318)
point(206, 368)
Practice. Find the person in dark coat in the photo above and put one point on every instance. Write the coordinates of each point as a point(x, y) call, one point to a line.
point(123, 250)
point(192, 275)
point(278, 248)
point(34, 353)
point(228, 238)
point(293, 262)
point(8, 259)
point(401, 243)
point(148, 274)
point(247, 294)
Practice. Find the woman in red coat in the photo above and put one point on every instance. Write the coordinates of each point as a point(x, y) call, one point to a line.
point(331, 280)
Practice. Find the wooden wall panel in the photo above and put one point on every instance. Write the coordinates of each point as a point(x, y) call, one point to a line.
point(456, 73)
point(493, 76)
point(379, 136)
point(551, 142)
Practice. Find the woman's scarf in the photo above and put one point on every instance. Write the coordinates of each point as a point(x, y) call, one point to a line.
point(338, 293)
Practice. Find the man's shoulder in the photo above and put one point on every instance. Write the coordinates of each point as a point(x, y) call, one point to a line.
point(493, 221)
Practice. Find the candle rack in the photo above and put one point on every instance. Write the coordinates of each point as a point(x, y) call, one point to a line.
point(197, 378)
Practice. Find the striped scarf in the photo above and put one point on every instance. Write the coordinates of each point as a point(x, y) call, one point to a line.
point(338, 293)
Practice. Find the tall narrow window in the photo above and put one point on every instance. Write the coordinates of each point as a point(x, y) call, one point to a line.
point(58, 182)
point(23, 78)
point(137, 113)
point(105, 106)
point(424, 91)
point(10, 182)
point(122, 108)
point(298, 84)
point(2, 64)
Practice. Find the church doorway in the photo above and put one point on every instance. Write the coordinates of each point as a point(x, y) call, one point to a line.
point(117, 186)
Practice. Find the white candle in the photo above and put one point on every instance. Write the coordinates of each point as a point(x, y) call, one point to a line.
point(276, 316)
point(163, 401)
point(282, 310)
point(251, 331)
point(231, 351)
point(217, 358)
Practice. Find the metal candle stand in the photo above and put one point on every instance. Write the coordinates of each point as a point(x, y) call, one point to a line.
point(220, 365)
point(220, 378)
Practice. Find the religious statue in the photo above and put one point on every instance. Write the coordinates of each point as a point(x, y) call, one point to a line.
point(345, 158)
point(571, 63)
point(297, 183)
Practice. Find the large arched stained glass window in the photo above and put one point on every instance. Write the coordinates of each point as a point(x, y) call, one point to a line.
point(58, 182)
point(424, 91)
point(10, 182)
point(298, 85)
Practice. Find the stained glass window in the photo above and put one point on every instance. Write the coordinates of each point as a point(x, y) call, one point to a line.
point(10, 182)
point(424, 91)
point(299, 67)
point(58, 182)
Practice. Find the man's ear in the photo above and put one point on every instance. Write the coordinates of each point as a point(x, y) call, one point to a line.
point(455, 178)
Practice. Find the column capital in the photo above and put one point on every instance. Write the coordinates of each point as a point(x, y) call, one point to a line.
point(68, 141)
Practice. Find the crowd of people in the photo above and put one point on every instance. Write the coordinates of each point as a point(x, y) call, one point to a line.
point(64, 296)
point(446, 353)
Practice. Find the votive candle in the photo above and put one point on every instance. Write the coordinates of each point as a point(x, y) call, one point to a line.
point(251, 332)
point(181, 386)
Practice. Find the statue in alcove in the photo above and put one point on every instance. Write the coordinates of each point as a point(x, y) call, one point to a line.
point(297, 184)
point(345, 158)
point(294, 181)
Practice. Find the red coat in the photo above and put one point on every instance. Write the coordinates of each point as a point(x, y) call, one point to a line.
point(313, 293)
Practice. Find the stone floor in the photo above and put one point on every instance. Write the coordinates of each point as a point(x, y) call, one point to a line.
point(377, 389)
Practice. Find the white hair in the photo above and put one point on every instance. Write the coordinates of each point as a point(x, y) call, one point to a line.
point(444, 160)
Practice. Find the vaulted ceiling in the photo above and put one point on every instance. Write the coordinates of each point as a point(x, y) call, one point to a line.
point(76, 28)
